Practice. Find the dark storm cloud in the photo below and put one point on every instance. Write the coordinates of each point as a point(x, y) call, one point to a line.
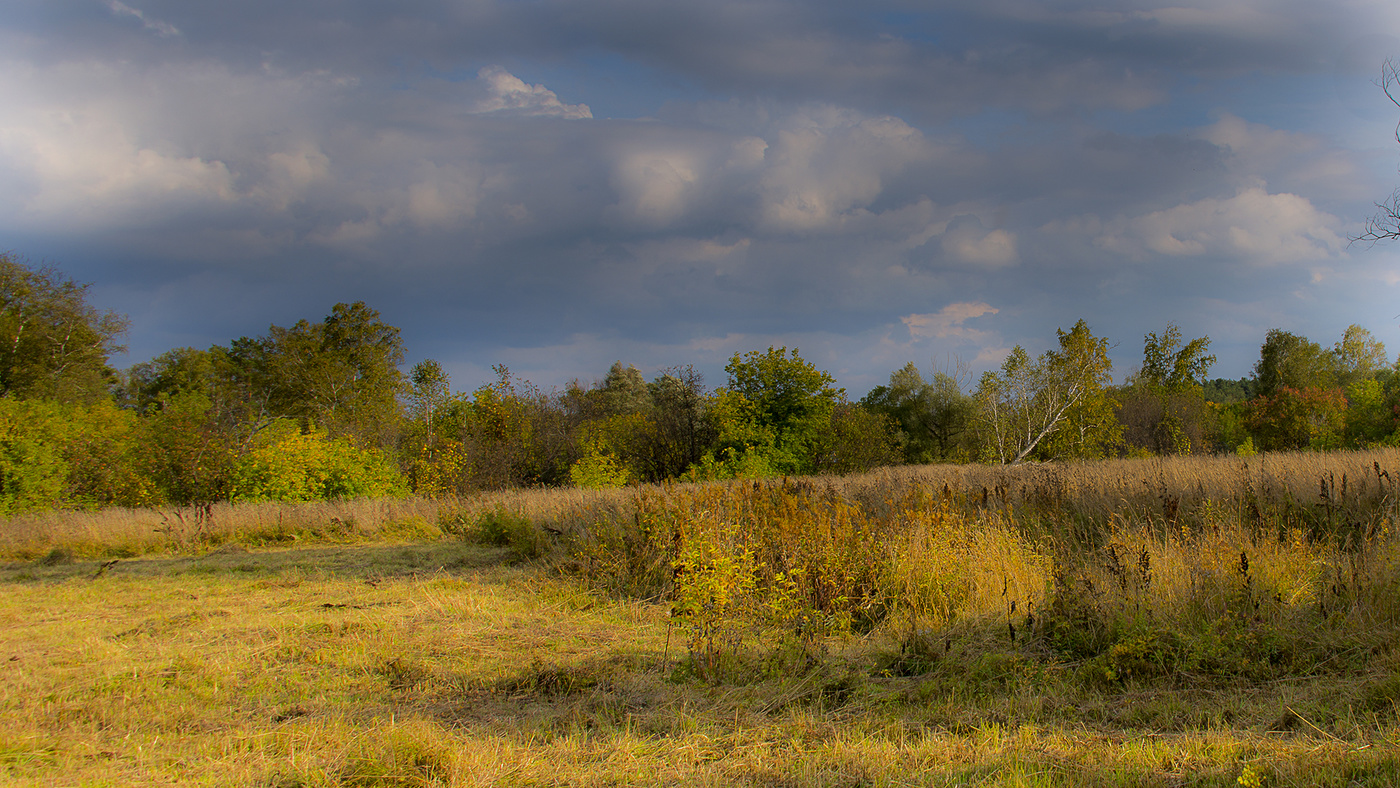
point(951, 58)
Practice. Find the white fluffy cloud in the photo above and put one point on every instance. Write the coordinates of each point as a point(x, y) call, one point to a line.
point(84, 166)
point(947, 323)
point(967, 241)
point(824, 164)
point(1253, 225)
point(509, 93)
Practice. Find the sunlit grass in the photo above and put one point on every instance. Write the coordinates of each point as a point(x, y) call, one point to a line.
point(392, 664)
point(1177, 622)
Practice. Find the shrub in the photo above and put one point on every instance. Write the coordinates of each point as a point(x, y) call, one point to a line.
point(289, 465)
point(33, 471)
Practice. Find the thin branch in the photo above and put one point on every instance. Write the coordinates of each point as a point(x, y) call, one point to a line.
point(1385, 225)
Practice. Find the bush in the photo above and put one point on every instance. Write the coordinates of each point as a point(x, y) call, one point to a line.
point(33, 472)
point(501, 528)
point(289, 465)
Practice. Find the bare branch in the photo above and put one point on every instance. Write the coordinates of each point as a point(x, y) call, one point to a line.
point(1385, 225)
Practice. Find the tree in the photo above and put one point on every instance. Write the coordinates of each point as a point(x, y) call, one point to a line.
point(1164, 410)
point(1385, 225)
point(173, 372)
point(933, 417)
point(428, 390)
point(1291, 361)
point(781, 391)
point(1058, 404)
point(1369, 419)
point(858, 440)
point(683, 425)
point(513, 434)
point(1358, 356)
point(624, 391)
point(1228, 392)
point(1171, 366)
point(341, 374)
point(778, 405)
point(53, 343)
point(1289, 418)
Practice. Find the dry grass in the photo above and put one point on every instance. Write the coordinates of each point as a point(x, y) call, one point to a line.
point(1344, 490)
point(419, 665)
point(1175, 622)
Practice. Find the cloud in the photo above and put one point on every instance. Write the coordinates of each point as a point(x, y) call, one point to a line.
point(88, 171)
point(826, 163)
point(508, 93)
point(758, 170)
point(948, 322)
point(966, 241)
point(1253, 225)
point(653, 186)
point(1288, 160)
point(162, 28)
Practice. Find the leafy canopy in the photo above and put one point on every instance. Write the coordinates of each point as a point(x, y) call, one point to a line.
point(53, 343)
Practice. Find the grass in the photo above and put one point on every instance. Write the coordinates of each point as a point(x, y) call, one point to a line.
point(438, 664)
point(862, 632)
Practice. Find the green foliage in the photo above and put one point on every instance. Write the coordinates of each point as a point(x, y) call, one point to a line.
point(1359, 356)
point(683, 427)
point(781, 391)
point(713, 600)
point(933, 418)
point(602, 466)
point(512, 435)
point(33, 471)
point(175, 372)
point(1172, 366)
point(1164, 410)
point(186, 452)
point(772, 414)
point(857, 440)
point(1292, 418)
point(56, 455)
point(341, 373)
point(1291, 361)
point(429, 388)
point(107, 450)
point(286, 464)
point(1228, 392)
point(53, 344)
point(1056, 406)
point(1246, 448)
point(624, 391)
point(1369, 419)
point(502, 528)
point(597, 470)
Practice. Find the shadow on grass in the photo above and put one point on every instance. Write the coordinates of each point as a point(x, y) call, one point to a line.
point(359, 561)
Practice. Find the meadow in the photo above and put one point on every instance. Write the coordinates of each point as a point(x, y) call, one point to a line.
point(1177, 621)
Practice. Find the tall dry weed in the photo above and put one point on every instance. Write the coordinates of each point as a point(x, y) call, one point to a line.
point(1222, 566)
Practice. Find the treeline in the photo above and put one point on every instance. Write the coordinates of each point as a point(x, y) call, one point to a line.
point(323, 410)
point(1064, 404)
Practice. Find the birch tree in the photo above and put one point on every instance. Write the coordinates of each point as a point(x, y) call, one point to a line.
point(1054, 406)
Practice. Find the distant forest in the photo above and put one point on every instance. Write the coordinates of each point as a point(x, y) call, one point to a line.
point(321, 410)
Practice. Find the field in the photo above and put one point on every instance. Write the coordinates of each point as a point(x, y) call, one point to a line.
point(1158, 622)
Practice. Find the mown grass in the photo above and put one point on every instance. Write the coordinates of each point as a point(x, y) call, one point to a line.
point(838, 632)
point(438, 664)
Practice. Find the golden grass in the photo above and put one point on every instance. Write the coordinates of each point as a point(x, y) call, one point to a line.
point(1347, 489)
point(421, 665)
point(1163, 622)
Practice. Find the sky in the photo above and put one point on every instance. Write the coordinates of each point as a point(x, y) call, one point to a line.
point(555, 185)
